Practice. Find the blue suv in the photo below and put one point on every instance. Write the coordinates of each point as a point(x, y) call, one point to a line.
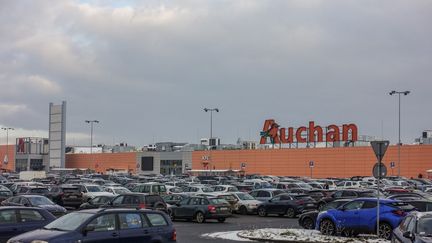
point(359, 217)
point(105, 225)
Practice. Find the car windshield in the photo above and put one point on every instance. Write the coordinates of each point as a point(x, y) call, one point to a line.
point(37, 201)
point(94, 189)
point(69, 222)
point(207, 189)
point(424, 226)
point(244, 196)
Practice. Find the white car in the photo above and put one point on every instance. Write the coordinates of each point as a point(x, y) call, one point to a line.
point(225, 189)
point(116, 190)
point(246, 203)
point(91, 191)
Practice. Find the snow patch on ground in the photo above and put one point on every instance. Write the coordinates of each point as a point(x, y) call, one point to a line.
point(301, 235)
point(230, 235)
point(289, 235)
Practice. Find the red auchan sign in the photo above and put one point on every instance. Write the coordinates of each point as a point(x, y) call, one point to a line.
point(312, 133)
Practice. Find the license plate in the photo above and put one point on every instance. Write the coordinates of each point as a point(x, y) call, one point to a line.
point(72, 196)
point(310, 205)
point(223, 209)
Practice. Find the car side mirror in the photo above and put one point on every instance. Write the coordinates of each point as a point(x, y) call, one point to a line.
point(407, 234)
point(88, 228)
point(270, 200)
point(26, 205)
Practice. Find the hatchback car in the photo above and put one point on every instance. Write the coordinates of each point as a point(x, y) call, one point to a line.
point(66, 195)
point(138, 200)
point(201, 209)
point(286, 204)
point(18, 220)
point(35, 201)
point(265, 194)
point(415, 228)
point(105, 225)
point(307, 220)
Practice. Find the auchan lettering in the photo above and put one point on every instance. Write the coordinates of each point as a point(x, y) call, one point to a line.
point(312, 133)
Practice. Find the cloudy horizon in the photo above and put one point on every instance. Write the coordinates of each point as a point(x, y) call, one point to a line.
point(146, 69)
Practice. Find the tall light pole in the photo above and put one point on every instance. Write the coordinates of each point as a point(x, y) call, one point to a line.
point(399, 93)
point(211, 120)
point(91, 122)
point(6, 159)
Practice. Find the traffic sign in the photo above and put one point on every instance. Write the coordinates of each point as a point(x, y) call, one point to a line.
point(379, 148)
point(379, 170)
point(392, 164)
point(311, 164)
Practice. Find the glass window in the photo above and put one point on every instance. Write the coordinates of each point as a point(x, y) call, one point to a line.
point(411, 226)
point(36, 201)
point(276, 199)
point(424, 226)
point(369, 204)
point(156, 219)
point(130, 221)
point(184, 201)
point(404, 224)
point(69, 221)
point(103, 223)
point(337, 194)
point(349, 194)
point(118, 200)
point(15, 200)
point(8, 217)
point(263, 194)
point(30, 216)
point(131, 200)
point(195, 201)
point(354, 205)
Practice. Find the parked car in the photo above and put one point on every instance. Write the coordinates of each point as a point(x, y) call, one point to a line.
point(232, 200)
point(245, 203)
point(39, 190)
point(137, 200)
point(5, 193)
point(287, 204)
point(421, 205)
point(307, 220)
point(359, 217)
point(105, 225)
point(96, 202)
point(201, 209)
point(66, 195)
point(225, 189)
point(116, 190)
point(415, 228)
point(35, 201)
point(151, 188)
point(18, 220)
point(265, 194)
point(90, 191)
point(346, 194)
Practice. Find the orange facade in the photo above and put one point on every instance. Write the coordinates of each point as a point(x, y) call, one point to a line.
point(10, 149)
point(103, 162)
point(328, 162)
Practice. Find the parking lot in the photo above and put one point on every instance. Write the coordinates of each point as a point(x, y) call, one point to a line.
point(192, 232)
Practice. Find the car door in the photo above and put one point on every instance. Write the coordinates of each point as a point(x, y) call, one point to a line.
point(347, 216)
point(117, 202)
point(403, 226)
point(157, 227)
point(367, 215)
point(192, 207)
point(30, 219)
point(130, 201)
point(263, 196)
point(274, 205)
point(103, 229)
point(180, 210)
point(133, 228)
point(9, 226)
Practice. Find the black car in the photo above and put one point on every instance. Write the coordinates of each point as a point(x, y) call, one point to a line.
point(66, 195)
point(35, 201)
point(346, 194)
point(307, 220)
point(415, 228)
point(96, 202)
point(407, 196)
point(138, 200)
point(18, 220)
point(201, 209)
point(287, 204)
point(105, 225)
point(174, 198)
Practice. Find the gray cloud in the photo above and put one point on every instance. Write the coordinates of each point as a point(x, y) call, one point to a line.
point(146, 70)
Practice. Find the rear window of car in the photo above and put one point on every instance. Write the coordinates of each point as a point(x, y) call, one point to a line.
point(156, 219)
point(302, 197)
point(39, 190)
point(71, 190)
point(218, 201)
point(367, 194)
point(153, 199)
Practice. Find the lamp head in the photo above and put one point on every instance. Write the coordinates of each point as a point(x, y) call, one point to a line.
point(407, 92)
point(392, 92)
point(216, 109)
point(205, 109)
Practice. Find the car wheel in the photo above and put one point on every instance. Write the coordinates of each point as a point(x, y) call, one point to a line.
point(327, 227)
point(221, 220)
point(290, 212)
point(385, 231)
point(308, 223)
point(243, 210)
point(199, 217)
point(262, 212)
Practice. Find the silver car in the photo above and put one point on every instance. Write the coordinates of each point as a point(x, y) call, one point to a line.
point(246, 203)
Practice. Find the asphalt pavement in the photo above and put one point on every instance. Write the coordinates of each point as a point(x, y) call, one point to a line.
point(191, 232)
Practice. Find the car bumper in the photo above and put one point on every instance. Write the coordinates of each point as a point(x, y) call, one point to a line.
point(218, 215)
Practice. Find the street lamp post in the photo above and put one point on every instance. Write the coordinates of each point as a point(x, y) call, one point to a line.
point(399, 93)
point(91, 122)
point(211, 121)
point(6, 159)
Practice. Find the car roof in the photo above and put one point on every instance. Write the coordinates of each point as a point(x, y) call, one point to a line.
point(18, 207)
point(100, 210)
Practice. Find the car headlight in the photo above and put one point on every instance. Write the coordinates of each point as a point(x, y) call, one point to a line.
point(39, 241)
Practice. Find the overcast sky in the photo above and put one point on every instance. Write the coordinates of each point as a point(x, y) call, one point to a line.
point(146, 69)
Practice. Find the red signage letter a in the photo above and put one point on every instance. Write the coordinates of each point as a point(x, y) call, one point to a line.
point(270, 130)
